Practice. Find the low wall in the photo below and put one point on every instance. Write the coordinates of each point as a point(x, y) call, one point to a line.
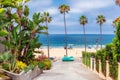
point(30, 75)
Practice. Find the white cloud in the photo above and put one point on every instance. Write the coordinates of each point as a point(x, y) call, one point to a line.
point(39, 3)
point(91, 8)
point(52, 10)
point(109, 21)
point(88, 5)
point(60, 22)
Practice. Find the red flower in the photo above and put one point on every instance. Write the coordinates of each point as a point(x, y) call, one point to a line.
point(117, 20)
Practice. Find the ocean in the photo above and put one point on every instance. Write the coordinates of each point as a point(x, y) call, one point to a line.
point(76, 40)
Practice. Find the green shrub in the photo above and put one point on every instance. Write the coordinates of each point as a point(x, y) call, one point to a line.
point(47, 64)
point(101, 56)
point(86, 57)
point(43, 62)
point(6, 56)
point(103, 63)
point(97, 65)
point(5, 66)
point(30, 67)
point(109, 51)
point(114, 69)
point(19, 32)
point(83, 57)
point(19, 66)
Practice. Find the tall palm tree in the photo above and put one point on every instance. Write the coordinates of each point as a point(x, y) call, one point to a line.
point(100, 20)
point(47, 19)
point(65, 9)
point(83, 20)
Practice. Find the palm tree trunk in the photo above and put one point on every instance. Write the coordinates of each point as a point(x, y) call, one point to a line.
point(65, 34)
point(84, 37)
point(48, 40)
point(101, 35)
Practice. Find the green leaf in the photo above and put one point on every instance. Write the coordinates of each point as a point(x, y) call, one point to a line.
point(43, 33)
point(6, 43)
point(5, 56)
point(15, 16)
point(30, 67)
point(4, 24)
point(8, 3)
point(26, 1)
point(36, 18)
point(3, 33)
point(2, 10)
point(14, 35)
point(26, 11)
point(41, 65)
point(24, 21)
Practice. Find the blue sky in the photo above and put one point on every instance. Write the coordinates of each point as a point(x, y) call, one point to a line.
point(90, 8)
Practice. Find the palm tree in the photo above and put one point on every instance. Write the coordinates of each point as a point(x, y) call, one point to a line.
point(83, 20)
point(65, 9)
point(47, 20)
point(117, 2)
point(100, 20)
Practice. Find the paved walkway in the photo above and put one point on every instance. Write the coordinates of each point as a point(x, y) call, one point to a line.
point(68, 71)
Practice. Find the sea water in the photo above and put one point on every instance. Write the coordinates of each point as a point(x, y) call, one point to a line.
point(76, 40)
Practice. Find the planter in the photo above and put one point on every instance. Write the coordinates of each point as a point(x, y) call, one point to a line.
point(30, 75)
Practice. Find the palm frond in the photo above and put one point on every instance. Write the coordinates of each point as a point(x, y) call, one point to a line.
point(100, 19)
point(64, 8)
point(83, 20)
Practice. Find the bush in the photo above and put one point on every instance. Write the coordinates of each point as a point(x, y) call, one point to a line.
point(41, 58)
point(5, 66)
point(19, 33)
point(46, 64)
point(43, 62)
point(109, 51)
point(103, 63)
point(97, 65)
point(114, 69)
point(86, 57)
point(20, 66)
point(101, 56)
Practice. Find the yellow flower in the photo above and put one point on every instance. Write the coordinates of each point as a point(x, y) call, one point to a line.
point(20, 65)
point(1, 10)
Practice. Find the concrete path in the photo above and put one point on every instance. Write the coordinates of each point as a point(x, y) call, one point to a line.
point(68, 71)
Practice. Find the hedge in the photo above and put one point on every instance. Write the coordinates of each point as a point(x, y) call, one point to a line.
point(113, 69)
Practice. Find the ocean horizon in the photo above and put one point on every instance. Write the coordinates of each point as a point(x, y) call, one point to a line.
point(76, 40)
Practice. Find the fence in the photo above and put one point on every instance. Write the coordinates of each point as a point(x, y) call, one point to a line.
point(109, 70)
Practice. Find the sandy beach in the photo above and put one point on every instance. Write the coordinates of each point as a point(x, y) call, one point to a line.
point(60, 52)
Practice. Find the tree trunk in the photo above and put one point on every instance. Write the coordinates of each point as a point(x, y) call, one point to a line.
point(48, 40)
point(84, 37)
point(101, 35)
point(65, 34)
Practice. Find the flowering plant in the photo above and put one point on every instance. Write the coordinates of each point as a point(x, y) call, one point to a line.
point(41, 58)
point(116, 21)
point(20, 66)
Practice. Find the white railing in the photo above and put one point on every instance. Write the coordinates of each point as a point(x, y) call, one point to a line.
point(107, 77)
